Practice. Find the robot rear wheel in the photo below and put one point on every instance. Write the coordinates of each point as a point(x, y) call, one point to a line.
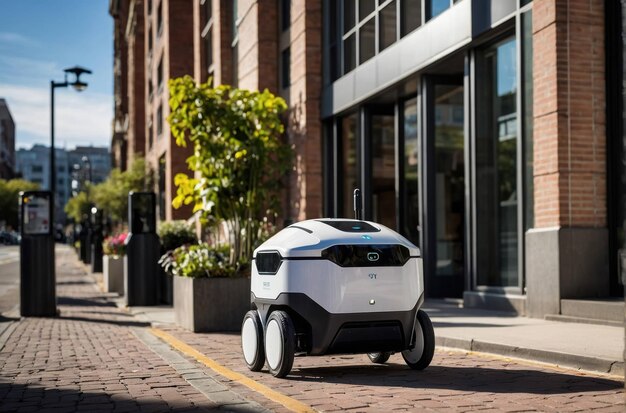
point(419, 356)
point(279, 343)
point(252, 341)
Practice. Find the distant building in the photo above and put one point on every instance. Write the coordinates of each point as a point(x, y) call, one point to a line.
point(7, 142)
point(34, 165)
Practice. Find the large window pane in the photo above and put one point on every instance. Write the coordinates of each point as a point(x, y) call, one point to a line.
point(383, 170)
point(367, 40)
point(411, 173)
point(387, 28)
point(349, 15)
point(436, 7)
point(449, 179)
point(348, 163)
point(496, 166)
point(349, 53)
point(411, 15)
point(366, 7)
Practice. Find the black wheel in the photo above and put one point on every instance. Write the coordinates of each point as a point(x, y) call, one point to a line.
point(279, 343)
point(379, 358)
point(419, 356)
point(252, 341)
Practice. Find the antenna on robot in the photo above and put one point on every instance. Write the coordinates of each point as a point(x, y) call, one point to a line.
point(358, 206)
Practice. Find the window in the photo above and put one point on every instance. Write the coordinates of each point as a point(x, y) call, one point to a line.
point(411, 12)
point(369, 26)
point(497, 240)
point(349, 172)
point(150, 137)
point(149, 6)
point(161, 183)
point(285, 66)
point(160, 19)
point(436, 7)
point(37, 169)
point(160, 74)
point(159, 121)
point(285, 14)
point(411, 173)
point(235, 44)
point(150, 40)
point(207, 35)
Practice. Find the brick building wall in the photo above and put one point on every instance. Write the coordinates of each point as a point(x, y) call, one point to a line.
point(119, 11)
point(569, 113)
point(305, 129)
point(136, 135)
point(567, 251)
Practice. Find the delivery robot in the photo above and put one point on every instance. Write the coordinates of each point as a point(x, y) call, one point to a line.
point(336, 286)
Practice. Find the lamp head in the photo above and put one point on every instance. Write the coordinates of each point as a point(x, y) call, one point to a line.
point(77, 71)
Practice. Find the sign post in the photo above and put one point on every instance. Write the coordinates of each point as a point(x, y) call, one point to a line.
point(37, 272)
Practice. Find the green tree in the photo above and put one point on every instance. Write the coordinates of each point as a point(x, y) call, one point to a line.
point(9, 194)
point(111, 195)
point(79, 206)
point(238, 157)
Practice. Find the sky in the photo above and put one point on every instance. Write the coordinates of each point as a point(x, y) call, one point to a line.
point(40, 38)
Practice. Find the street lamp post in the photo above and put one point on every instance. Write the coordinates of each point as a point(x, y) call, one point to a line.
point(79, 86)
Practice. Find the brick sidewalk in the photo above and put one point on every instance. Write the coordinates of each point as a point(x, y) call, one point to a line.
point(96, 357)
point(455, 381)
point(89, 359)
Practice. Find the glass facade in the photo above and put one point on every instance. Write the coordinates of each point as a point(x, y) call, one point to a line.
point(444, 155)
point(449, 179)
point(383, 149)
point(496, 165)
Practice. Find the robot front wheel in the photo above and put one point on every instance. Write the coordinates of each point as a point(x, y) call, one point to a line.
point(420, 354)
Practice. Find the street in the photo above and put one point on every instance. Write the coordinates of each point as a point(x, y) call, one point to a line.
point(9, 277)
point(98, 357)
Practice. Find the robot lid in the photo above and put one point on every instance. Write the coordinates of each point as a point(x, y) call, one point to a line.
point(309, 238)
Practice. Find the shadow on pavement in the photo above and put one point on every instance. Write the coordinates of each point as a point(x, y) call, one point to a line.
point(21, 397)
point(473, 379)
point(461, 324)
point(124, 323)
point(74, 282)
point(84, 302)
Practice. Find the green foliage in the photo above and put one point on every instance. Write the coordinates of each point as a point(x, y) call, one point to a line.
point(111, 195)
point(9, 198)
point(238, 157)
point(79, 206)
point(174, 234)
point(198, 261)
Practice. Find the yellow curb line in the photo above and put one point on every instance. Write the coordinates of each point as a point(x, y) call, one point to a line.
point(288, 402)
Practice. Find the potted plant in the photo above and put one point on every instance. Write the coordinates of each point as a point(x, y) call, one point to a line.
point(114, 249)
point(172, 234)
point(209, 293)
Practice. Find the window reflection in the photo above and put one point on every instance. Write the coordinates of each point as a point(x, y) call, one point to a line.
point(349, 164)
point(383, 170)
point(496, 166)
point(411, 173)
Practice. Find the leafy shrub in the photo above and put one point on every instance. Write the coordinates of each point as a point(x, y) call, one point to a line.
point(198, 261)
point(239, 157)
point(174, 234)
point(115, 245)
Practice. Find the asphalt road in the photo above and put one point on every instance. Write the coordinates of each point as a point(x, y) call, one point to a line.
point(9, 278)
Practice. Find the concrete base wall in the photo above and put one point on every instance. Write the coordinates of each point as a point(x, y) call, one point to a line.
point(565, 263)
point(211, 304)
point(113, 269)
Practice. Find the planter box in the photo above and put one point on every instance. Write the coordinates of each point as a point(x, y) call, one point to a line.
point(211, 304)
point(113, 269)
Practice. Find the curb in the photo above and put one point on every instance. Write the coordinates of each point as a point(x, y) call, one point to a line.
point(595, 364)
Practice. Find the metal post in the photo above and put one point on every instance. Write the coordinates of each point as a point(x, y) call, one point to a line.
point(52, 156)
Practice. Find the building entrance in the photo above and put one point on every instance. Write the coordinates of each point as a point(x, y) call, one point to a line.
point(444, 186)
